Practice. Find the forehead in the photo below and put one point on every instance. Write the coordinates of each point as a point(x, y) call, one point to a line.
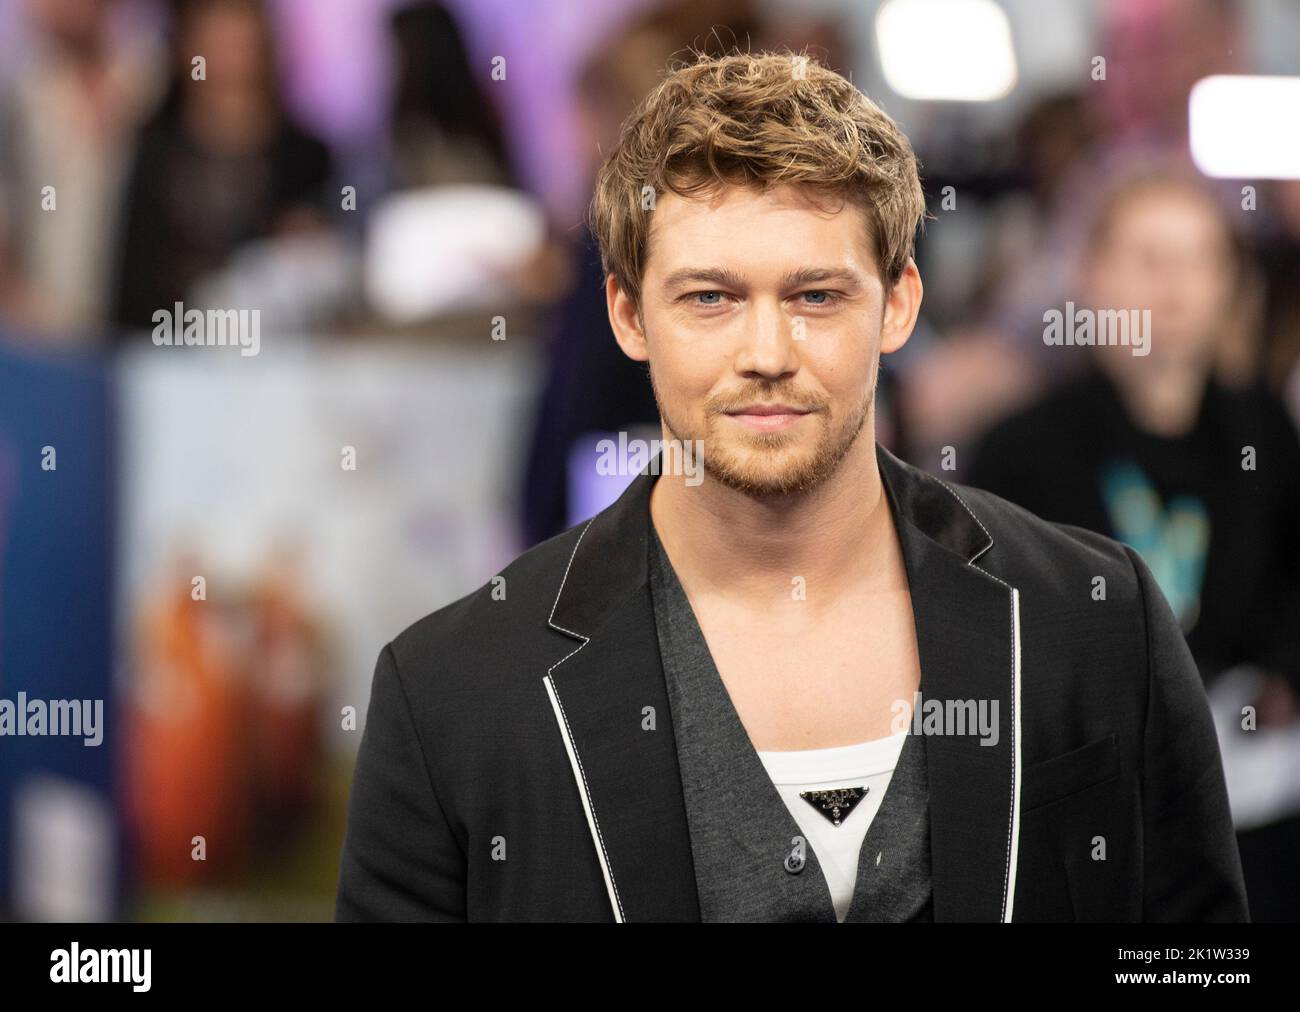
point(751, 230)
point(1170, 213)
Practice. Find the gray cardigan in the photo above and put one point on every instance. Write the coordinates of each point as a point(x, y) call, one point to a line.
point(742, 834)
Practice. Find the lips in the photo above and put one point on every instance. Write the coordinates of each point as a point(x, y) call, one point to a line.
point(770, 409)
point(769, 417)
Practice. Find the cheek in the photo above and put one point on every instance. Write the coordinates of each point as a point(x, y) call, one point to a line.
point(1217, 291)
point(842, 364)
point(1195, 296)
point(694, 368)
point(682, 376)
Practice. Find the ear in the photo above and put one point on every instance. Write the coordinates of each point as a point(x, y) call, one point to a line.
point(901, 309)
point(624, 320)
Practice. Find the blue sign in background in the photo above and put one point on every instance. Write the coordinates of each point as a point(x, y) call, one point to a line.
point(56, 541)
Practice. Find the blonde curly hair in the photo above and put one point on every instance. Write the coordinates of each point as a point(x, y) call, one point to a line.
point(755, 120)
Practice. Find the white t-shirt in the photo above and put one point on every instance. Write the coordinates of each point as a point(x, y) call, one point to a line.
point(868, 764)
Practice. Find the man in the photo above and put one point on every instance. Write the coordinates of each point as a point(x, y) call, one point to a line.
point(808, 682)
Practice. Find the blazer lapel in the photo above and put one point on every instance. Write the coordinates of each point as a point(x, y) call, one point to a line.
point(968, 632)
point(611, 705)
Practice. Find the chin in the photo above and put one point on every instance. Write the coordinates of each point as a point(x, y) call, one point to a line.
point(763, 471)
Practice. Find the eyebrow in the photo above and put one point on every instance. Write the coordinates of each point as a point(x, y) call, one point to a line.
point(818, 275)
point(720, 276)
point(725, 278)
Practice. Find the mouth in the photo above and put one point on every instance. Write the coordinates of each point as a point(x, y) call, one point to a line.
point(769, 417)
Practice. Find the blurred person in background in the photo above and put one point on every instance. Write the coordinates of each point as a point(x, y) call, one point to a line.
point(1152, 450)
point(1162, 242)
point(67, 124)
point(443, 129)
point(219, 165)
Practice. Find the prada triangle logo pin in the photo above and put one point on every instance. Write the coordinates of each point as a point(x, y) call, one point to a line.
point(835, 804)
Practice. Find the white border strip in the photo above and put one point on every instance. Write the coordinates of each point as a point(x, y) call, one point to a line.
point(586, 799)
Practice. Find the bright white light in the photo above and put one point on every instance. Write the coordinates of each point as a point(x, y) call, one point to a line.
point(946, 50)
point(1245, 127)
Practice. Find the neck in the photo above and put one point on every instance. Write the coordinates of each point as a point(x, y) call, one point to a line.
point(837, 535)
point(1164, 402)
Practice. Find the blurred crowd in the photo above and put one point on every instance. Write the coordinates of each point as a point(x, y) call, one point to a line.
point(148, 156)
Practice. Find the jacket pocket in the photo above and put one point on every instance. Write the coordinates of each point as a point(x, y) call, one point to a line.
point(1071, 772)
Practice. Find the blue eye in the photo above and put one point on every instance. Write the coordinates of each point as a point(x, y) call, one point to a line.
point(826, 298)
point(707, 295)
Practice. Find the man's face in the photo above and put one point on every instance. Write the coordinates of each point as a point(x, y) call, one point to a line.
point(762, 323)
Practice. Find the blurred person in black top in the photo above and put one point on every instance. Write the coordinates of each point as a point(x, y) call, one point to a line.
point(1203, 479)
point(1224, 549)
point(443, 128)
point(1149, 449)
point(219, 165)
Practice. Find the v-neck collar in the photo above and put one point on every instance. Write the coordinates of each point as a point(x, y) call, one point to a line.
point(722, 772)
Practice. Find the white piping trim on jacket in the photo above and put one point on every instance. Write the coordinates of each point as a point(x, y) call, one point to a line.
point(1013, 828)
point(1014, 852)
point(575, 760)
point(576, 765)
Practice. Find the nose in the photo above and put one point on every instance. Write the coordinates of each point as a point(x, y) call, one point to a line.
point(768, 346)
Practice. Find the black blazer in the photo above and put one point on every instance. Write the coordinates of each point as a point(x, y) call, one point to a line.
point(505, 771)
